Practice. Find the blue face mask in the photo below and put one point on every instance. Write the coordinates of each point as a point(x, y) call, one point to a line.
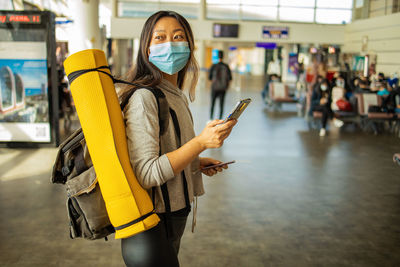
point(170, 57)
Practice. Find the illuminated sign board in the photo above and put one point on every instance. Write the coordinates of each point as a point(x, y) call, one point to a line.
point(270, 32)
point(34, 19)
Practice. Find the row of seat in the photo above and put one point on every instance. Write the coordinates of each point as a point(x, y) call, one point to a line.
point(279, 94)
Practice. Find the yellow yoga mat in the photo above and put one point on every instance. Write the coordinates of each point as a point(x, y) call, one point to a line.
point(101, 119)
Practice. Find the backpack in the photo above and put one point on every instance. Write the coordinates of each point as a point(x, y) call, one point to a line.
point(73, 168)
point(343, 105)
point(220, 77)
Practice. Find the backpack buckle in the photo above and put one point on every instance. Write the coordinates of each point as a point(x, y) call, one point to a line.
point(65, 171)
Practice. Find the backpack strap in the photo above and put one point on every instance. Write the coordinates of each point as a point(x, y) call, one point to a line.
point(164, 187)
point(163, 110)
point(178, 133)
point(162, 105)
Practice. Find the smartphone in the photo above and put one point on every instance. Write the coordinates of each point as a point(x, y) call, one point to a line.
point(217, 165)
point(238, 110)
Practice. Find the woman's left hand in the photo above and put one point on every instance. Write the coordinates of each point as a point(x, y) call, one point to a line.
point(204, 162)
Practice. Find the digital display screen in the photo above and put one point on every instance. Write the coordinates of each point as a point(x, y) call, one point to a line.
point(20, 18)
point(225, 30)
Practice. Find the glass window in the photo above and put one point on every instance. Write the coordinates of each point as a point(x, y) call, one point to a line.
point(187, 10)
point(348, 4)
point(6, 87)
point(259, 12)
point(19, 88)
point(181, 1)
point(6, 5)
point(223, 2)
point(136, 9)
point(260, 3)
point(297, 3)
point(333, 16)
point(229, 12)
point(359, 3)
point(296, 14)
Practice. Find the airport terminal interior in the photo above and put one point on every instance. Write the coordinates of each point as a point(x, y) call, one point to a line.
point(313, 184)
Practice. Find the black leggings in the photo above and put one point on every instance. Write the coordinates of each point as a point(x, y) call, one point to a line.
point(214, 96)
point(156, 247)
point(326, 113)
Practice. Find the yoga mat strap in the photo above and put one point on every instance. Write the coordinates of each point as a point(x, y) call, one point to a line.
point(158, 94)
point(74, 75)
point(135, 221)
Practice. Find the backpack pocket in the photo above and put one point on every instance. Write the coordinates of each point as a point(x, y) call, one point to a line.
point(86, 209)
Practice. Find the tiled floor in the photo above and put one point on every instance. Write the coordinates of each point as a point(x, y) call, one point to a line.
point(292, 199)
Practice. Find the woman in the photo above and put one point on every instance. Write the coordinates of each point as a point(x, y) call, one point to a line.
point(166, 62)
point(321, 100)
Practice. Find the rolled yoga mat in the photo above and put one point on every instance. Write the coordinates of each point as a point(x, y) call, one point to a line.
point(128, 205)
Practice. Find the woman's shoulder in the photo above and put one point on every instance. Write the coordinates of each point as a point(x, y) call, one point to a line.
point(142, 98)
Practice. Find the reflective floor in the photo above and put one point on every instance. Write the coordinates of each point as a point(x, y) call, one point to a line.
point(291, 199)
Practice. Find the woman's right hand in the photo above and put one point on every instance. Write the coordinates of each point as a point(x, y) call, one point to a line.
point(213, 135)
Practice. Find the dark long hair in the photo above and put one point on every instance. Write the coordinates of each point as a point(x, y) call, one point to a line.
point(145, 73)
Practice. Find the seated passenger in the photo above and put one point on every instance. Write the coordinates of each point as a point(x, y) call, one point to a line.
point(321, 101)
point(341, 82)
point(362, 87)
point(365, 79)
point(383, 89)
point(390, 101)
point(265, 91)
point(381, 77)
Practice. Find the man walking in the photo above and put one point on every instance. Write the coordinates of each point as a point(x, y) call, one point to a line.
point(220, 77)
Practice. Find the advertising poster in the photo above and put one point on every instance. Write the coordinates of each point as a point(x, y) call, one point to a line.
point(24, 105)
point(293, 63)
point(214, 56)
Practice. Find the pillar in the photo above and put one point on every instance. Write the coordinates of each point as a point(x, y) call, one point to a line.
point(85, 32)
point(285, 61)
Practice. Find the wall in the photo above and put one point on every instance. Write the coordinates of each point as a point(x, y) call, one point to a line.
point(381, 7)
point(383, 35)
point(248, 31)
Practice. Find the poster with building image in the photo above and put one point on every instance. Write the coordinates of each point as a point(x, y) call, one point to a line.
point(24, 105)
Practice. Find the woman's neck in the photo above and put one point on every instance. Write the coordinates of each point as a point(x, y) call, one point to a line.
point(171, 78)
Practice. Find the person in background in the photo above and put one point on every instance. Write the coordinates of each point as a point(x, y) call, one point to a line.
point(265, 91)
point(321, 101)
point(300, 70)
point(220, 76)
point(341, 83)
point(383, 89)
point(390, 102)
point(394, 81)
point(381, 77)
point(316, 85)
point(362, 87)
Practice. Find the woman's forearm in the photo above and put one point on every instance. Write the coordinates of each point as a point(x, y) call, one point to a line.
point(184, 155)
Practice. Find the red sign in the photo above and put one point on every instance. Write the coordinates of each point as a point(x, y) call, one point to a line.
point(20, 18)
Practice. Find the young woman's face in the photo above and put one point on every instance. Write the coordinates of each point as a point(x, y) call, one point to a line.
point(167, 29)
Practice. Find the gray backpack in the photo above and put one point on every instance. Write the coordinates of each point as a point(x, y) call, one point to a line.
point(73, 168)
point(85, 205)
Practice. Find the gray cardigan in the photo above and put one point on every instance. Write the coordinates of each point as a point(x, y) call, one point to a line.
point(142, 130)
